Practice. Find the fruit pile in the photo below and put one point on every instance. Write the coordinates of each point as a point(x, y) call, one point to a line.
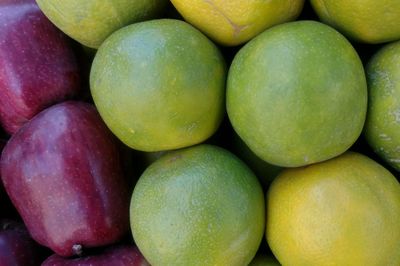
point(199, 132)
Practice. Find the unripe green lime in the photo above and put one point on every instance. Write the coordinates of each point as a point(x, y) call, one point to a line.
point(382, 127)
point(159, 85)
point(297, 94)
point(198, 206)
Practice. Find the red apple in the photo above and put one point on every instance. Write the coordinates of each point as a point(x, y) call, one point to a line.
point(16, 246)
point(63, 174)
point(37, 65)
point(115, 256)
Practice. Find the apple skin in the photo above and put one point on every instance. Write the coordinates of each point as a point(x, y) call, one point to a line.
point(16, 246)
point(122, 255)
point(63, 173)
point(38, 67)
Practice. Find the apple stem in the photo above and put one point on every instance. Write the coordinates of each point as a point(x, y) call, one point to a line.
point(77, 249)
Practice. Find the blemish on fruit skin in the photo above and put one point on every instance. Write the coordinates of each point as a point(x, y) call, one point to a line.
point(396, 115)
point(383, 76)
point(191, 127)
point(237, 29)
point(395, 160)
point(174, 158)
point(132, 131)
point(384, 137)
point(209, 228)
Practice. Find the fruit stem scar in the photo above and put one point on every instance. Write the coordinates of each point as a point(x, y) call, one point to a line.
point(236, 28)
point(176, 157)
point(326, 10)
point(77, 249)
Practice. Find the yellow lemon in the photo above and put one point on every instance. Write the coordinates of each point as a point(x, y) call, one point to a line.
point(90, 22)
point(345, 211)
point(236, 21)
point(367, 21)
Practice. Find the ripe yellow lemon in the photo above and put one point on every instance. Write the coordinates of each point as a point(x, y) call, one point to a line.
point(236, 21)
point(345, 211)
point(369, 21)
point(90, 22)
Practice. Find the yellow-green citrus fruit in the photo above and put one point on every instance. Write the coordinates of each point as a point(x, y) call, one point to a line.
point(90, 22)
point(345, 211)
point(159, 85)
point(236, 21)
point(198, 206)
point(369, 21)
point(297, 94)
point(382, 127)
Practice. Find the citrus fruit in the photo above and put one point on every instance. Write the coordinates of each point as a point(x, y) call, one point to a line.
point(198, 206)
point(236, 21)
point(367, 21)
point(90, 22)
point(297, 94)
point(159, 85)
point(345, 211)
point(382, 127)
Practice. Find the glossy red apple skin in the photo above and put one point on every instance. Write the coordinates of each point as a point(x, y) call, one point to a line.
point(38, 67)
point(63, 174)
point(16, 246)
point(115, 256)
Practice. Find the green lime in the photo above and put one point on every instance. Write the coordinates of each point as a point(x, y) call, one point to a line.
point(198, 206)
point(382, 127)
point(297, 94)
point(159, 85)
